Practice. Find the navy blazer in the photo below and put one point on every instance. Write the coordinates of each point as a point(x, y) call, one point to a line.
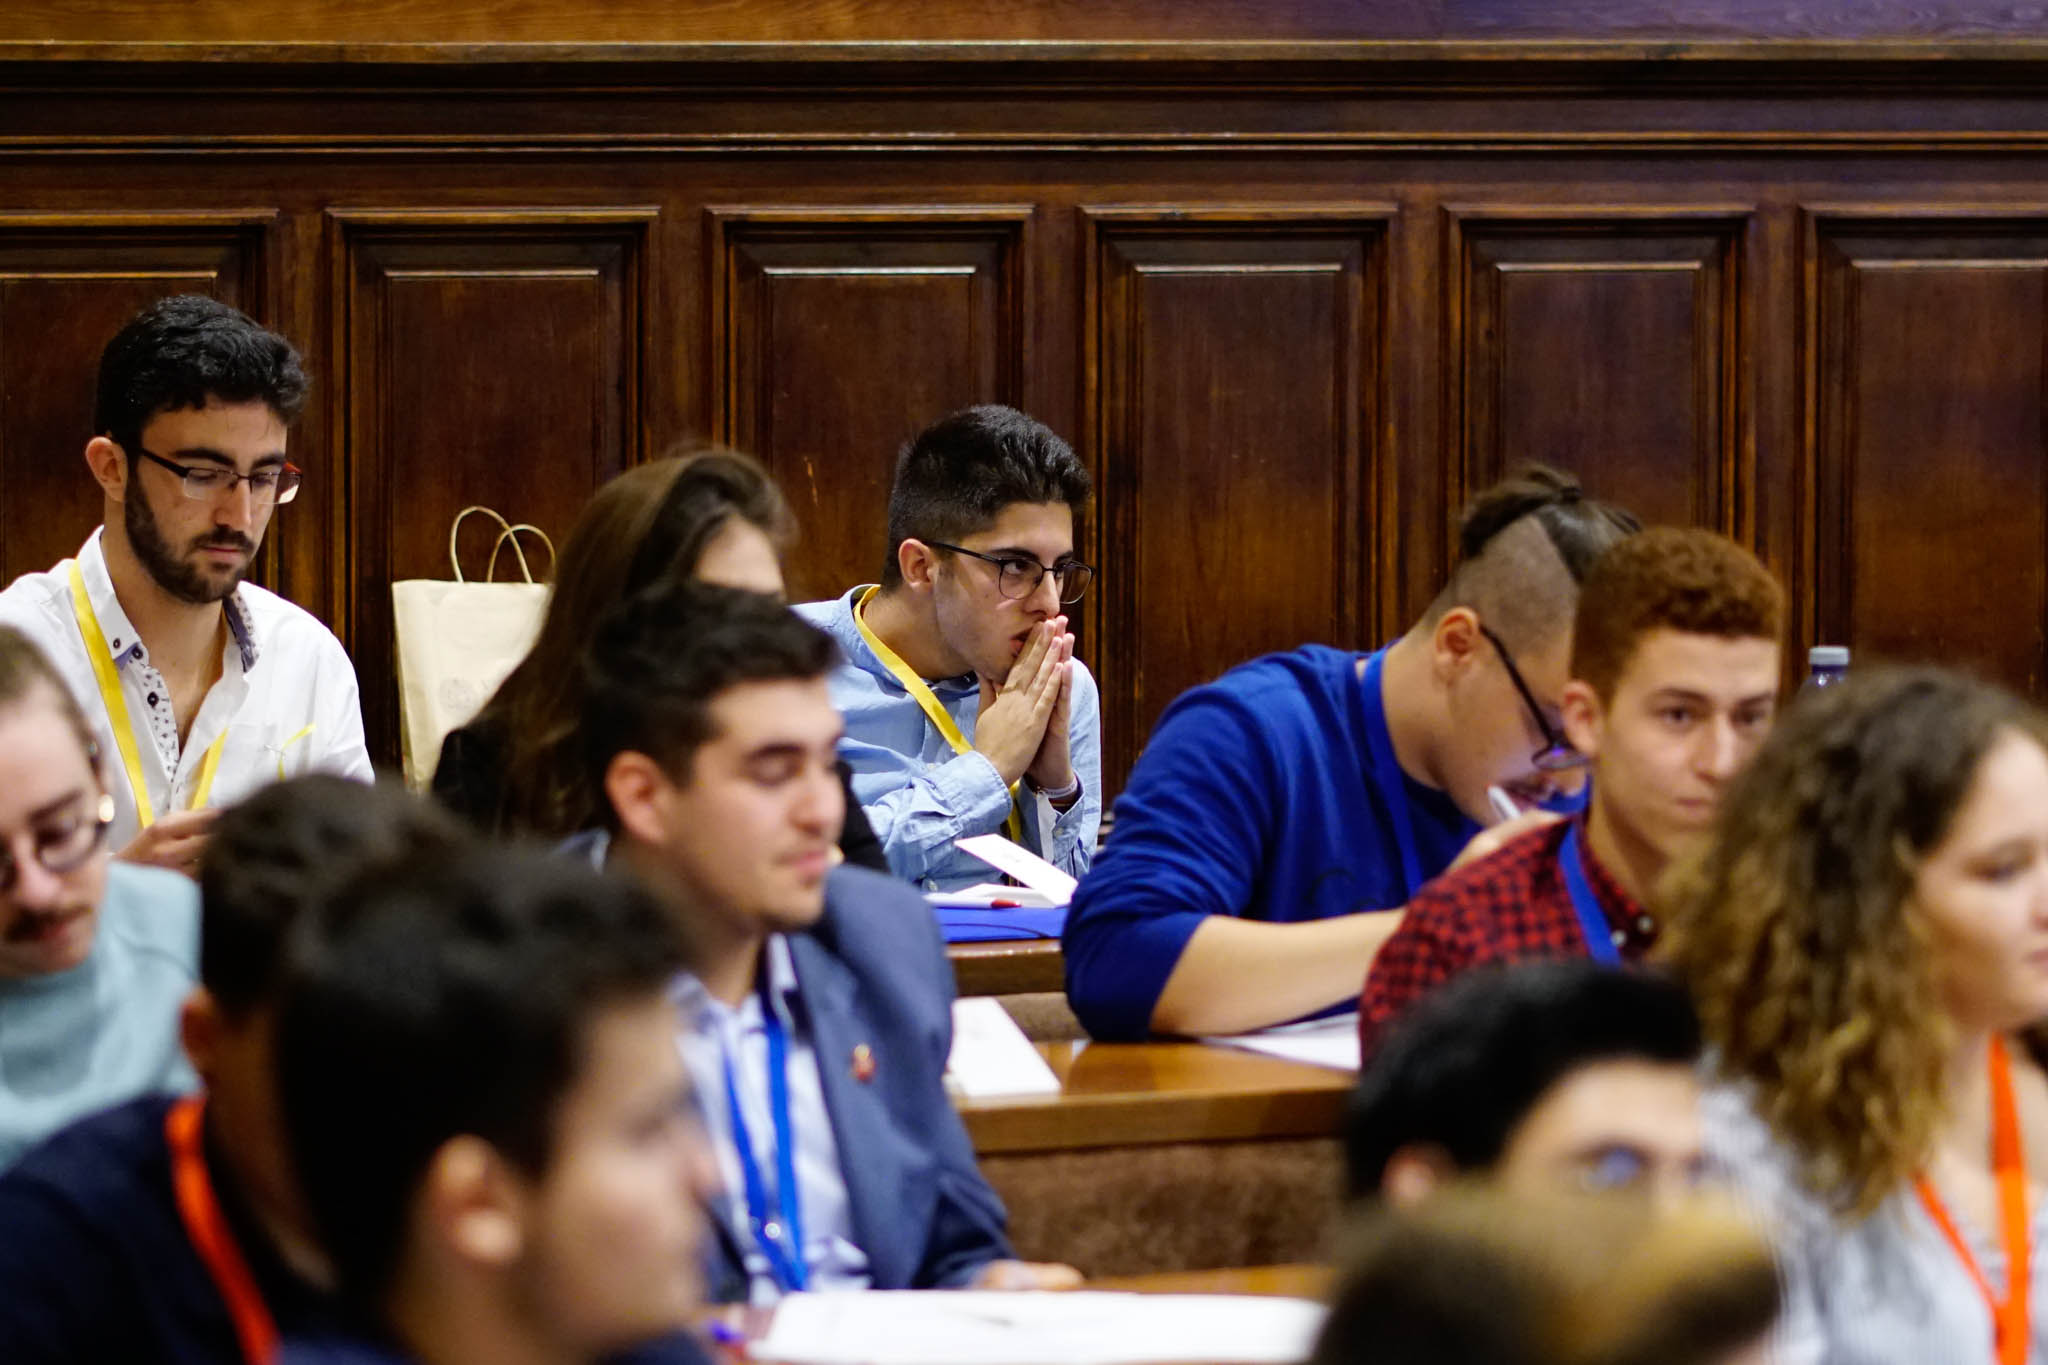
point(872, 972)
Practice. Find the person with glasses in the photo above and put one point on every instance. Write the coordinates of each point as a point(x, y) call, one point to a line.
point(95, 956)
point(1537, 1078)
point(200, 686)
point(966, 712)
point(1675, 657)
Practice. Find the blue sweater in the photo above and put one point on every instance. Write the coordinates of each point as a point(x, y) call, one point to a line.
point(1255, 797)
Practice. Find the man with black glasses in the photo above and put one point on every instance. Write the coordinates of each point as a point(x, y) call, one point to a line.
point(1674, 681)
point(966, 712)
point(199, 687)
point(1278, 810)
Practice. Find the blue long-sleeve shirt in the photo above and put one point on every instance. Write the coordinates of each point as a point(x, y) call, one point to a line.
point(1256, 797)
point(921, 796)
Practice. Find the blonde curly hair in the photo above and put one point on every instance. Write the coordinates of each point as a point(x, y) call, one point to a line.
point(1792, 926)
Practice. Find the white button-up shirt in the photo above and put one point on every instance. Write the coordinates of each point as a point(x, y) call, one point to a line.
point(286, 699)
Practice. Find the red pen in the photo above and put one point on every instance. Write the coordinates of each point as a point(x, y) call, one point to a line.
point(1006, 905)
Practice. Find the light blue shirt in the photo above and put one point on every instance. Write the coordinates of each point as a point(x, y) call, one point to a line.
point(921, 796)
point(77, 1041)
point(714, 1031)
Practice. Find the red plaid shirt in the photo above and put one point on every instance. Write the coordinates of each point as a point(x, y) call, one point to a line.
point(1510, 906)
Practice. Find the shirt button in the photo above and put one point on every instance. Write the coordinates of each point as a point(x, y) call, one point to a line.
point(772, 1231)
point(152, 699)
point(1619, 938)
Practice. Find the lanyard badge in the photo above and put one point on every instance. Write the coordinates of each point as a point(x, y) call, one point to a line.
point(2012, 1328)
point(778, 1232)
point(214, 1242)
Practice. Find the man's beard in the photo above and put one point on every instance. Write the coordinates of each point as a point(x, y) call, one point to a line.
point(178, 577)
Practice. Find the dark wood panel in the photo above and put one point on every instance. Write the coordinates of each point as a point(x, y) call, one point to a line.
point(68, 282)
point(491, 358)
point(487, 21)
point(1233, 390)
point(1607, 342)
point(837, 334)
point(1931, 502)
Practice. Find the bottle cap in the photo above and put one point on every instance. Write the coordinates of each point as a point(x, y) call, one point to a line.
point(1828, 656)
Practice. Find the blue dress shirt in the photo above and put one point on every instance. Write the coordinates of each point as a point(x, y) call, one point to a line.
point(921, 796)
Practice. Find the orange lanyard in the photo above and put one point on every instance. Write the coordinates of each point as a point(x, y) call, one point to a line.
point(2010, 1317)
point(208, 1230)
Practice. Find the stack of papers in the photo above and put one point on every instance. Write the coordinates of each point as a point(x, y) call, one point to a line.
point(1331, 1042)
point(991, 1055)
point(959, 1327)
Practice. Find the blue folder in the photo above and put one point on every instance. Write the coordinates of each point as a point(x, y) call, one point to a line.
point(977, 925)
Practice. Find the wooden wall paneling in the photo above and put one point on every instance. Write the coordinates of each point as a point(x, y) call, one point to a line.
point(837, 333)
point(1927, 379)
point(485, 356)
point(1233, 378)
point(1607, 341)
point(68, 282)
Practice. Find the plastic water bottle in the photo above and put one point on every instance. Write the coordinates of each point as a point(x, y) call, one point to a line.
point(1826, 665)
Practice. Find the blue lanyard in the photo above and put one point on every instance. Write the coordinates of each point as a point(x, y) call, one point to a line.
point(781, 1240)
point(1592, 919)
point(1387, 773)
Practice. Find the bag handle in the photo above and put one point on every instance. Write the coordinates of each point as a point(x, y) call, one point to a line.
point(506, 531)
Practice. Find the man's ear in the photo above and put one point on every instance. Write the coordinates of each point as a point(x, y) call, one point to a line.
point(109, 466)
point(1455, 644)
point(1584, 717)
point(637, 789)
point(915, 560)
point(472, 1204)
point(1415, 1172)
point(199, 1027)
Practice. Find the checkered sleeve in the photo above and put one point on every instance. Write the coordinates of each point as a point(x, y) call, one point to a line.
point(1431, 946)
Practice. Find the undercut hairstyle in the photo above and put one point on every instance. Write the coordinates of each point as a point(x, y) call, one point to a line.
point(271, 857)
point(1468, 1062)
point(649, 523)
point(25, 669)
point(1478, 1276)
point(1669, 578)
point(184, 350)
point(1524, 546)
point(447, 999)
point(1794, 924)
point(957, 475)
point(659, 662)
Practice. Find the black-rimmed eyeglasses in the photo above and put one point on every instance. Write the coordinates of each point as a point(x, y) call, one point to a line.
point(64, 844)
point(1018, 576)
point(1557, 754)
point(274, 484)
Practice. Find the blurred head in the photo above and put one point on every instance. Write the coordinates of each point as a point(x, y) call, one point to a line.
point(269, 860)
point(1505, 618)
point(503, 1016)
point(54, 813)
point(713, 737)
point(193, 382)
point(1674, 679)
point(1484, 1276)
point(709, 514)
point(984, 481)
point(1876, 886)
point(1543, 1077)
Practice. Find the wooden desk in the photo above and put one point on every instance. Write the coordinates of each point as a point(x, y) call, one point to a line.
point(1166, 1157)
point(1007, 966)
point(1121, 1094)
point(1297, 1281)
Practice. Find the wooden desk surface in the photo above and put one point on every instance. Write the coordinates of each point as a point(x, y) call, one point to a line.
point(1007, 966)
point(1299, 1281)
point(1136, 1094)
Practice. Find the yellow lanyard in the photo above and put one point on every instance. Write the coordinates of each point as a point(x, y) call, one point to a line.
point(117, 710)
point(941, 719)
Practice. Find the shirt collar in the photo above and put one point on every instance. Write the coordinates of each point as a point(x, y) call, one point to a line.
point(1623, 911)
point(779, 985)
point(123, 640)
point(842, 627)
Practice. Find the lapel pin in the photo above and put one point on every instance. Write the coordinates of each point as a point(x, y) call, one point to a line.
point(863, 1063)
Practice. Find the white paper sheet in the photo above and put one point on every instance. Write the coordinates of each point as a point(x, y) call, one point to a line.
point(956, 1327)
point(1021, 863)
point(991, 1055)
point(1329, 1042)
point(992, 895)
